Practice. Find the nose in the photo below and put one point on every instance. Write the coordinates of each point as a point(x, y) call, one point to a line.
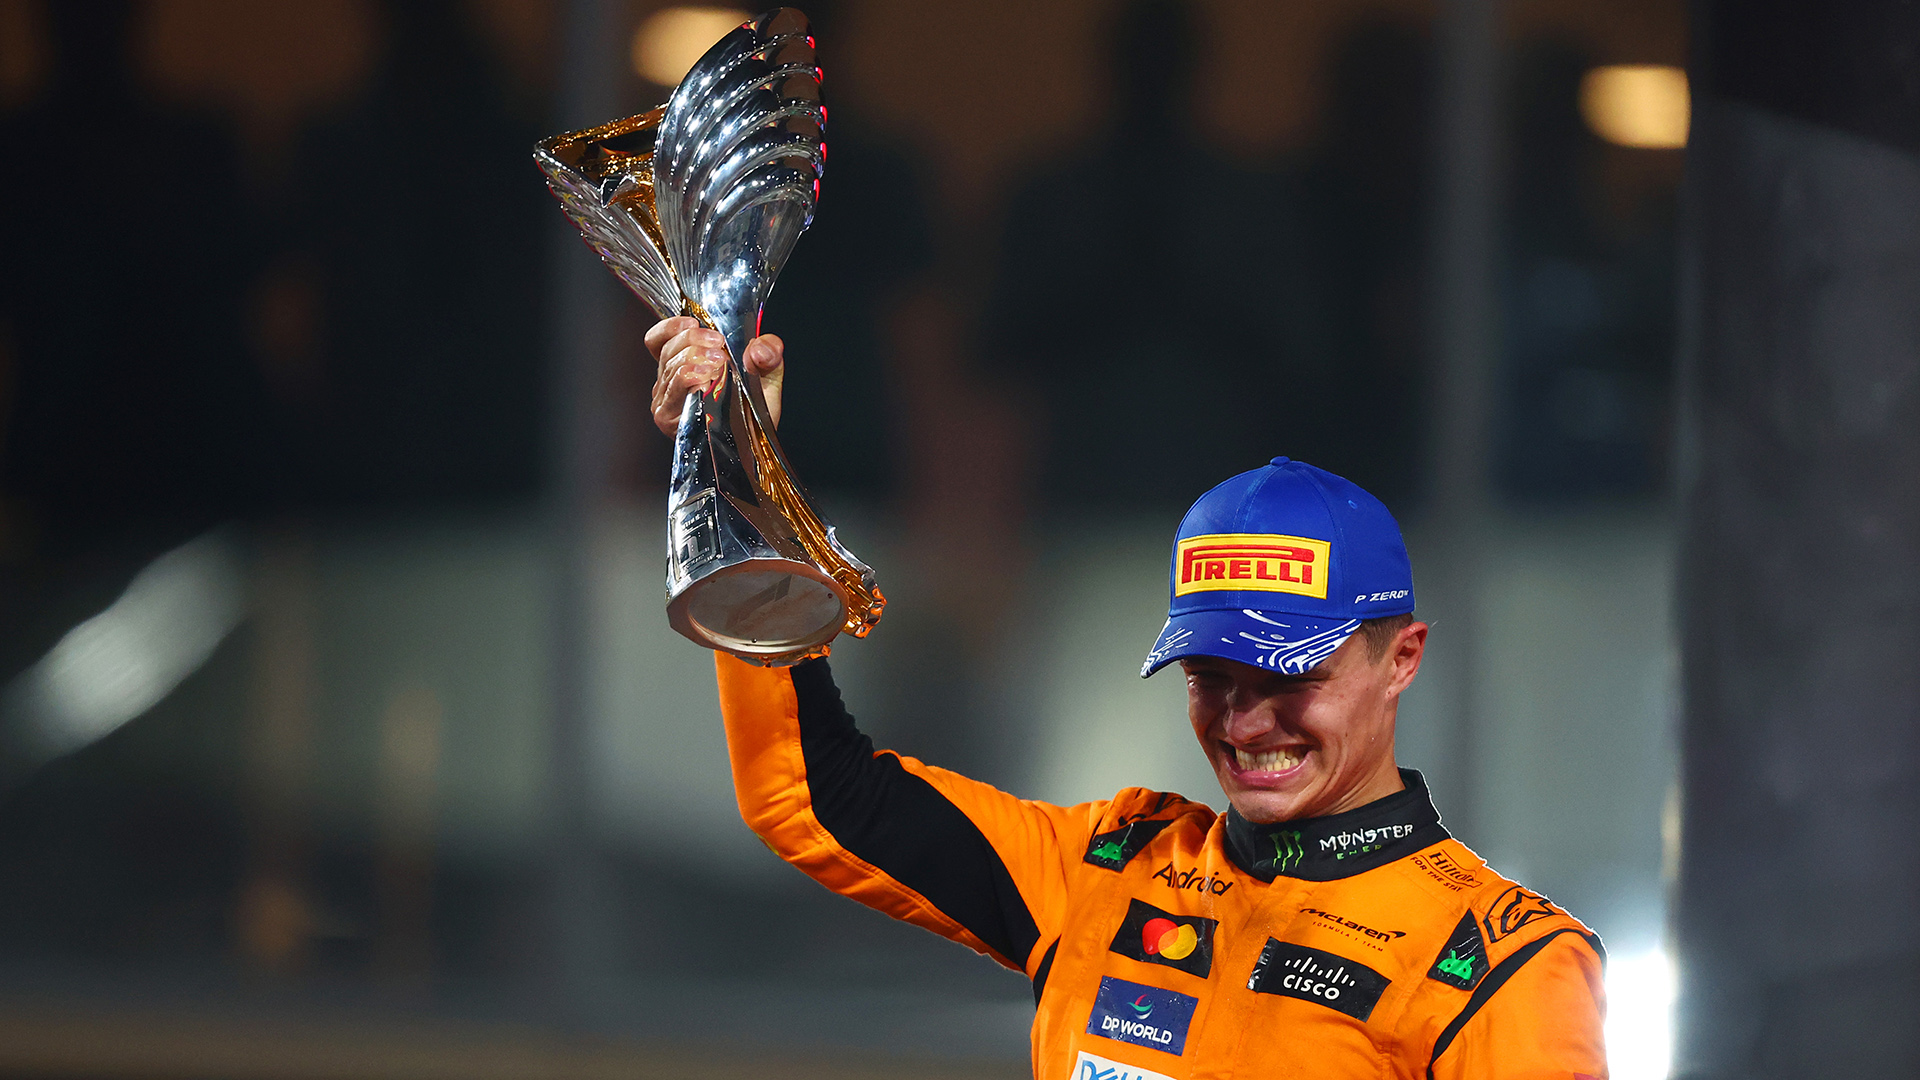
point(1248, 718)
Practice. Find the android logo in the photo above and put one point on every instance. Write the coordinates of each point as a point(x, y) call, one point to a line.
point(1457, 966)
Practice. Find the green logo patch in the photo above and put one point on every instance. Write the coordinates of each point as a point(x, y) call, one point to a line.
point(1463, 963)
point(1287, 851)
point(1460, 967)
point(1114, 849)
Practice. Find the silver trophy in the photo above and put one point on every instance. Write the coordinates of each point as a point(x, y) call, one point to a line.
point(695, 206)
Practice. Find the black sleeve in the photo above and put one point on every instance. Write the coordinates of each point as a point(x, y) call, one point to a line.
point(902, 825)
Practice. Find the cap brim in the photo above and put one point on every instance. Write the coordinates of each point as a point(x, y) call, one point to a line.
point(1289, 644)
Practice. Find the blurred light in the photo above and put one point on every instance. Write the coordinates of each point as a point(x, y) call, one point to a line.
point(1638, 105)
point(668, 43)
point(123, 661)
point(1639, 1016)
point(24, 52)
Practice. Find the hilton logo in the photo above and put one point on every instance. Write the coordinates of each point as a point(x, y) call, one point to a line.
point(1254, 561)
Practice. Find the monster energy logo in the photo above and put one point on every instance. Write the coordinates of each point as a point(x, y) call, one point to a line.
point(1457, 966)
point(1111, 850)
point(1287, 851)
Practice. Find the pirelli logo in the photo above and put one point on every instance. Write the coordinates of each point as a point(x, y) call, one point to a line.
point(1259, 561)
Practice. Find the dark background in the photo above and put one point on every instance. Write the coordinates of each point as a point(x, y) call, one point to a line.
point(280, 283)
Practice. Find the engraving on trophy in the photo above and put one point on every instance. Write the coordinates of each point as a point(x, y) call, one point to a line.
point(695, 540)
point(695, 206)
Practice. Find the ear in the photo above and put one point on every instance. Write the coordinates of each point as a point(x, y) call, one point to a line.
point(1408, 649)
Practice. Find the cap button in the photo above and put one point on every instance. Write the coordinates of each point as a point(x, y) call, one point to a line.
point(1278, 461)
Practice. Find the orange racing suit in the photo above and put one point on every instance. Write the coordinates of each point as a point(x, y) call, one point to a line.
point(1165, 940)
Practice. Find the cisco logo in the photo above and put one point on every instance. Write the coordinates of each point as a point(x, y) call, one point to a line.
point(1295, 971)
point(1309, 976)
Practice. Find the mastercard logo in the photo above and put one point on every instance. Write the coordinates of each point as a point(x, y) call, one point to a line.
point(1164, 937)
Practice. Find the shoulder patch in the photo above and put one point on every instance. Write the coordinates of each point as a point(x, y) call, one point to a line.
point(1112, 850)
point(1436, 864)
point(1514, 909)
point(1463, 963)
point(1495, 980)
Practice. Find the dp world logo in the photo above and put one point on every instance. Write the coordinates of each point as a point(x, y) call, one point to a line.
point(1147, 1016)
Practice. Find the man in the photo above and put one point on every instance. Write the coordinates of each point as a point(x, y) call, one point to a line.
point(1325, 926)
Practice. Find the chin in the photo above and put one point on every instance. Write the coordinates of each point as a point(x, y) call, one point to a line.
point(1264, 807)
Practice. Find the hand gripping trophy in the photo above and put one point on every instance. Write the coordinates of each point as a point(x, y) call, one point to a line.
point(695, 206)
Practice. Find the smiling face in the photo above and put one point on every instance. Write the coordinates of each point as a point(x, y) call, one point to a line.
point(1300, 746)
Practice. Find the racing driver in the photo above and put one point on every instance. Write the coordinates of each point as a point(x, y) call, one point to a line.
point(1325, 926)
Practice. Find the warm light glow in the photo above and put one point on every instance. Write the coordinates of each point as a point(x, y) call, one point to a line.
point(1639, 1016)
point(668, 43)
point(1639, 105)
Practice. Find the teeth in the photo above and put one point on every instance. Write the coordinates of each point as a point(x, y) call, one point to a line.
point(1268, 761)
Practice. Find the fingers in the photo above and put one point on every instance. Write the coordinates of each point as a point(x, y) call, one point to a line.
point(665, 330)
point(692, 357)
point(766, 354)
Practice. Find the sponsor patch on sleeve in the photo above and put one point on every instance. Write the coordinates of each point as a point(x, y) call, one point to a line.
point(1112, 850)
point(1091, 1067)
point(1463, 963)
point(1514, 909)
point(1142, 1015)
point(1259, 562)
point(1296, 971)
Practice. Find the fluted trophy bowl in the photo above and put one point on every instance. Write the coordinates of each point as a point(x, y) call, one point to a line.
point(695, 206)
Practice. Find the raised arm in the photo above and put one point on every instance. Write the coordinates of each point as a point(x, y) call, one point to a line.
point(958, 857)
point(953, 855)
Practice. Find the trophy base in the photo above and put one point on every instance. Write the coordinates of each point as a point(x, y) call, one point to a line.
point(769, 611)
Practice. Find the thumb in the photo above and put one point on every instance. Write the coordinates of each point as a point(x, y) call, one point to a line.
point(766, 357)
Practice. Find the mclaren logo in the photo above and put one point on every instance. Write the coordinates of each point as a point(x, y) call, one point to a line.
point(1260, 562)
point(1342, 920)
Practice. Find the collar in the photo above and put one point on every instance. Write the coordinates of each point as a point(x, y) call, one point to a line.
point(1340, 845)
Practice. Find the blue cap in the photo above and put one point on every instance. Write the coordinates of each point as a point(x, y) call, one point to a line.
point(1279, 566)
